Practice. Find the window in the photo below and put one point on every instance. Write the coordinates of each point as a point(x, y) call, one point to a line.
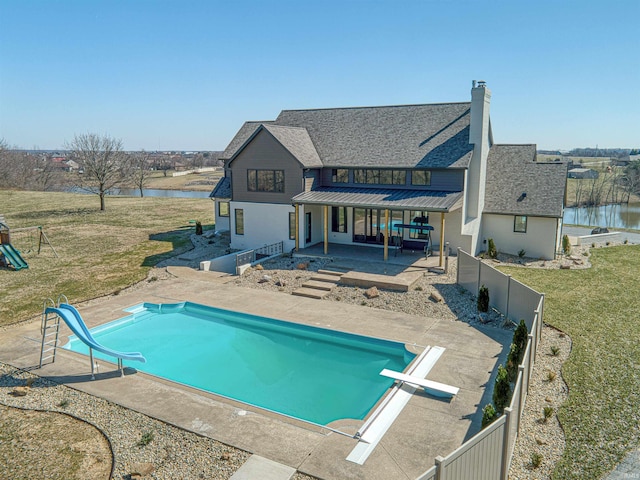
point(239, 221)
point(420, 177)
point(520, 224)
point(292, 225)
point(265, 181)
point(339, 219)
point(340, 175)
point(223, 209)
point(374, 176)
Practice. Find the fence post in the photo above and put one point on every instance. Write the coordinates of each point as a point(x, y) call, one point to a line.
point(506, 445)
point(440, 474)
point(479, 277)
point(506, 314)
point(446, 257)
point(523, 394)
point(532, 354)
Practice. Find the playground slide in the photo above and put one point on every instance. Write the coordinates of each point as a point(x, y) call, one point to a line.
point(13, 256)
point(72, 318)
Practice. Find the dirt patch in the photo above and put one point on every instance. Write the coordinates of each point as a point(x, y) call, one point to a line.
point(51, 445)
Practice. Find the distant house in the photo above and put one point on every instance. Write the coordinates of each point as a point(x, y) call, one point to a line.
point(389, 176)
point(583, 173)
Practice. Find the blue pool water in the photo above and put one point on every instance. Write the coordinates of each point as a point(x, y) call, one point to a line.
point(314, 374)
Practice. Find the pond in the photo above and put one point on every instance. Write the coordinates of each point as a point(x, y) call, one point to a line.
point(149, 192)
point(613, 216)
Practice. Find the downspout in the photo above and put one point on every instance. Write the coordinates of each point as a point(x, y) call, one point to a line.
point(386, 234)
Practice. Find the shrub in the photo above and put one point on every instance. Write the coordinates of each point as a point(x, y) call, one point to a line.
point(512, 363)
point(522, 253)
point(547, 412)
point(146, 439)
point(502, 390)
point(198, 228)
point(566, 244)
point(555, 351)
point(520, 337)
point(483, 299)
point(536, 460)
point(489, 414)
point(551, 375)
point(626, 241)
point(491, 249)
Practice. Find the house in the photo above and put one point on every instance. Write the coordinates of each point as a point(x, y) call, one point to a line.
point(588, 173)
point(390, 176)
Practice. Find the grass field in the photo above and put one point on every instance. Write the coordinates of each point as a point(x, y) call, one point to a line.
point(600, 309)
point(99, 252)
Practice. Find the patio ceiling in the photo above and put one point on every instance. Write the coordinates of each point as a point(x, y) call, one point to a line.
point(396, 199)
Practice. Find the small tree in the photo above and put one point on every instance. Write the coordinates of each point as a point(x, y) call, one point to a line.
point(483, 299)
point(513, 362)
point(140, 170)
point(491, 249)
point(489, 414)
point(103, 162)
point(502, 390)
point(566, 245)
point(520, 337)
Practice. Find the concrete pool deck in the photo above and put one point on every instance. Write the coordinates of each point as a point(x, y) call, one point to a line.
point(426, 428)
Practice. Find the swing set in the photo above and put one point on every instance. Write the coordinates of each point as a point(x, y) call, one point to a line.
point(42, 238)
point(9, 255)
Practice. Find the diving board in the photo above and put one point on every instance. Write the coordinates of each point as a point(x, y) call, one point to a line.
point(435, 388)
point(372, 431)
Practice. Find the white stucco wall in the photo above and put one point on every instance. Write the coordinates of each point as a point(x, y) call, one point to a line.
point(264, 223)
point(538, 242)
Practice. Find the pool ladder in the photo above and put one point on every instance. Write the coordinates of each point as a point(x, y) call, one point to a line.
point(50, 329)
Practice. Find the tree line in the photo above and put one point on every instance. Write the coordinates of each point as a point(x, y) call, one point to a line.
point(103, 165)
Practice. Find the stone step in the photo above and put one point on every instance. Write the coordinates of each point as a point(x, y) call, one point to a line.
point(310, 293)
point(319, 285)
point(331, 272)
point(323, 277)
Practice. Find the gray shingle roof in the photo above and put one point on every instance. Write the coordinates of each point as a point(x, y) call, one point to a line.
point(382, 198)
point(512, 171)
point(222, 188)
point(402, 136)
point(297, 141)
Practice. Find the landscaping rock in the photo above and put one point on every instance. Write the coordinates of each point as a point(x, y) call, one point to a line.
point(372, 293)
point(436, 297)
point(265, 279)
point(20, 391)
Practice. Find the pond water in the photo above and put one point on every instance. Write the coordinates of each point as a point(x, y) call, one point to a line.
point(612, 216)
point(150, 192)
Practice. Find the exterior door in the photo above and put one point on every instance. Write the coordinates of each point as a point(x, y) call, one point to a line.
point(307, 227)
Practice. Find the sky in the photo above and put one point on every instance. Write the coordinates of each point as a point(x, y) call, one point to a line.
point(185, 75)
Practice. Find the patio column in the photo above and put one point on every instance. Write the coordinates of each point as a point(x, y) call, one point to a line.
point(386, 234)
point(441, 238)
point(326, 229)
point(297, 207)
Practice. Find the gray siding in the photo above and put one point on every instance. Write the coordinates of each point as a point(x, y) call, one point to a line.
point(311, 180)
point(265, 152)
point(441, 181)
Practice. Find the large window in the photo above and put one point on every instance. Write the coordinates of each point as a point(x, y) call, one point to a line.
point(374, 176)
point(340, 175)
point(339, 219)
point(292, 225)
point(420, 177)
point(520, 224)
point(265, 181)
point(239, 221)
point(223, 209)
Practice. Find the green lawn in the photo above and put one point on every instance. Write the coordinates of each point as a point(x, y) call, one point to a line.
point(600, 309)
point(99, 252)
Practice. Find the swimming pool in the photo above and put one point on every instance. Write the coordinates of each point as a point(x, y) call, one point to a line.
point(314, 374)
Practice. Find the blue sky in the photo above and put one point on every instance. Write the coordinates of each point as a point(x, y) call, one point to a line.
point(185, 75)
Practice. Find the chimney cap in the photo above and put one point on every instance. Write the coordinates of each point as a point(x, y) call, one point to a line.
point(482, 83)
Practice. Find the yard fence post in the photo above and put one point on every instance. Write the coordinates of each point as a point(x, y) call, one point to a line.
point(506, 445)
point(440, 466)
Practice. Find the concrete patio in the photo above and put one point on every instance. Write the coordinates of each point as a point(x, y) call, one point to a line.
point(426, 428)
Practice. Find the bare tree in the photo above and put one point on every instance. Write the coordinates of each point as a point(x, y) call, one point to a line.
point(140, 170)
point(103, 163)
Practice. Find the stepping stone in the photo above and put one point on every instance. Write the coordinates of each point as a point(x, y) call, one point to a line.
point(331, 272)
point(319, 285)
point(310, 293)
point(323, 277)
point(260, 468)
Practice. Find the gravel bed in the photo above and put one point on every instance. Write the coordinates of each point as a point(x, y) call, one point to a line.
point(546, 389)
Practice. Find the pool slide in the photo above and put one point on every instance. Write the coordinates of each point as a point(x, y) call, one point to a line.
point(72, 318)
point(13, 256)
